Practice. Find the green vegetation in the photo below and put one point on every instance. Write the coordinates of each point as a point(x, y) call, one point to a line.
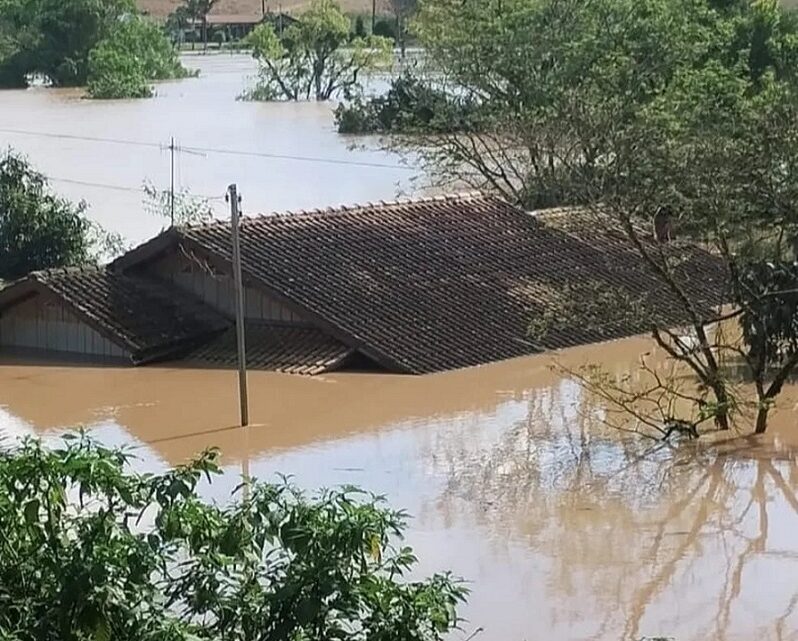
point(409, 106)
point(124, 63)
point(38, 230)
point(93, 551)
point(313, 58)
point(74, 42)
point(683, 111)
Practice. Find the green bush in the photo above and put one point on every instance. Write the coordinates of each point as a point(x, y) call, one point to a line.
point(38, 230)
point(409, 106)
point(92, 551)
point(134, 54)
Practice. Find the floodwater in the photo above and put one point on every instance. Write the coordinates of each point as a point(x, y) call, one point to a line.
point(198, 112)
point(565, 530)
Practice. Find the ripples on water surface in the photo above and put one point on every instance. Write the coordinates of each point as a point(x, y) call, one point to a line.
point(565, 531)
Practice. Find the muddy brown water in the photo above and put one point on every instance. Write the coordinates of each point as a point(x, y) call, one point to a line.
point(197, 112)
point(564, 529)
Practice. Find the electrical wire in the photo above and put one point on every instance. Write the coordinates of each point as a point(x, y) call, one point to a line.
point(211, 150)
point(115, 141)
point(137, 190)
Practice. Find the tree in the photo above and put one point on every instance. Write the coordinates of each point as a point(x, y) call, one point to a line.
point(198, 10)
point(403, 10)
point(135, 53)
point(38, 230)
point(91, 550)
point(311, 57)
point(673, 114)
point(56, 39)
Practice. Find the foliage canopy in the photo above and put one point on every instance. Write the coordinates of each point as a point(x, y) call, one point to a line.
point(135, 53)
point(38, 230)
point(67, 41)
point(683, 110)
point(93, 551)
point(313, 58)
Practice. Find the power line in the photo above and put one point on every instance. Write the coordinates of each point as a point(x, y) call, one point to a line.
point(115, 141)
point(137, 190)
point(212, 150)
point(331, 161)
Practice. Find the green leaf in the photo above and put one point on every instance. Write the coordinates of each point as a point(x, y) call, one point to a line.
point(32, 511)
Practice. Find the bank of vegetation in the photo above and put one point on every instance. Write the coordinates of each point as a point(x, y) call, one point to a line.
point(91, 550)
point(106, 46)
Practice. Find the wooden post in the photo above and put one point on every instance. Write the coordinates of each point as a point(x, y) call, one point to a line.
point(233, 197)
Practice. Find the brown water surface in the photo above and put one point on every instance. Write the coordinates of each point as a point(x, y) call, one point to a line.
point(198, 112)
point(566, 531)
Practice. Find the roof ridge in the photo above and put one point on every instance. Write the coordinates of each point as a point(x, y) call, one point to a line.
point(65, 270)
point(343, 208)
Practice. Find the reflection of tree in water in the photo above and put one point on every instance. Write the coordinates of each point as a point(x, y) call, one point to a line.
point(636, 534)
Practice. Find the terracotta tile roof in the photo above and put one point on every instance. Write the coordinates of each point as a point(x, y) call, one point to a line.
point(147, 319)
point(293, 350)
point(447, 282)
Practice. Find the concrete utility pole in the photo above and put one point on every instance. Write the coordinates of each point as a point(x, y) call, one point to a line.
point(234, 200)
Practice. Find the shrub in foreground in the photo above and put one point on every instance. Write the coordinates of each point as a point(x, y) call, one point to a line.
point(90, 550)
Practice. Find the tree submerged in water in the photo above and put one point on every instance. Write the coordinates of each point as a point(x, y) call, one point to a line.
point(314, 58)
point(668, 123)
point(93, 551)
point(106, 44)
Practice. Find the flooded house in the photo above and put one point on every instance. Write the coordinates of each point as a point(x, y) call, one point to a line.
point(408, 287)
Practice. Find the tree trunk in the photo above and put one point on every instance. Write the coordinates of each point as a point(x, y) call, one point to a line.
point(204, 34)
point(722, 417)
point(761, 420)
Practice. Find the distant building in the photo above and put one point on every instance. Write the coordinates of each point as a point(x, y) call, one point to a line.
point(408, 287)
point(238, 26)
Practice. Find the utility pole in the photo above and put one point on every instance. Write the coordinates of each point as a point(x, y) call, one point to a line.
point(262, 8)
point(373, 15)
point(234, 199)
point(172, 183)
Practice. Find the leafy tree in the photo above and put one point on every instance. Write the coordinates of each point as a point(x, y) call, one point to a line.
point(93, 551)
point(38, 230)
point(674, 114)
point(57, 39)
point(135, 53)
point(311, 58)
point(197, 11)
point(411, 105)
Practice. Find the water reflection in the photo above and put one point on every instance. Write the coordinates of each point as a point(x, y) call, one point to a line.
point(567, 530)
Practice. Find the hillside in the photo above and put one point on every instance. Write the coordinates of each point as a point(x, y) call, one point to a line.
point(162, 8)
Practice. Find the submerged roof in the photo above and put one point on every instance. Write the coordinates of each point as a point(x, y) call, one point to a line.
point(447, 282)
point(143, 317)
point(292, 350)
